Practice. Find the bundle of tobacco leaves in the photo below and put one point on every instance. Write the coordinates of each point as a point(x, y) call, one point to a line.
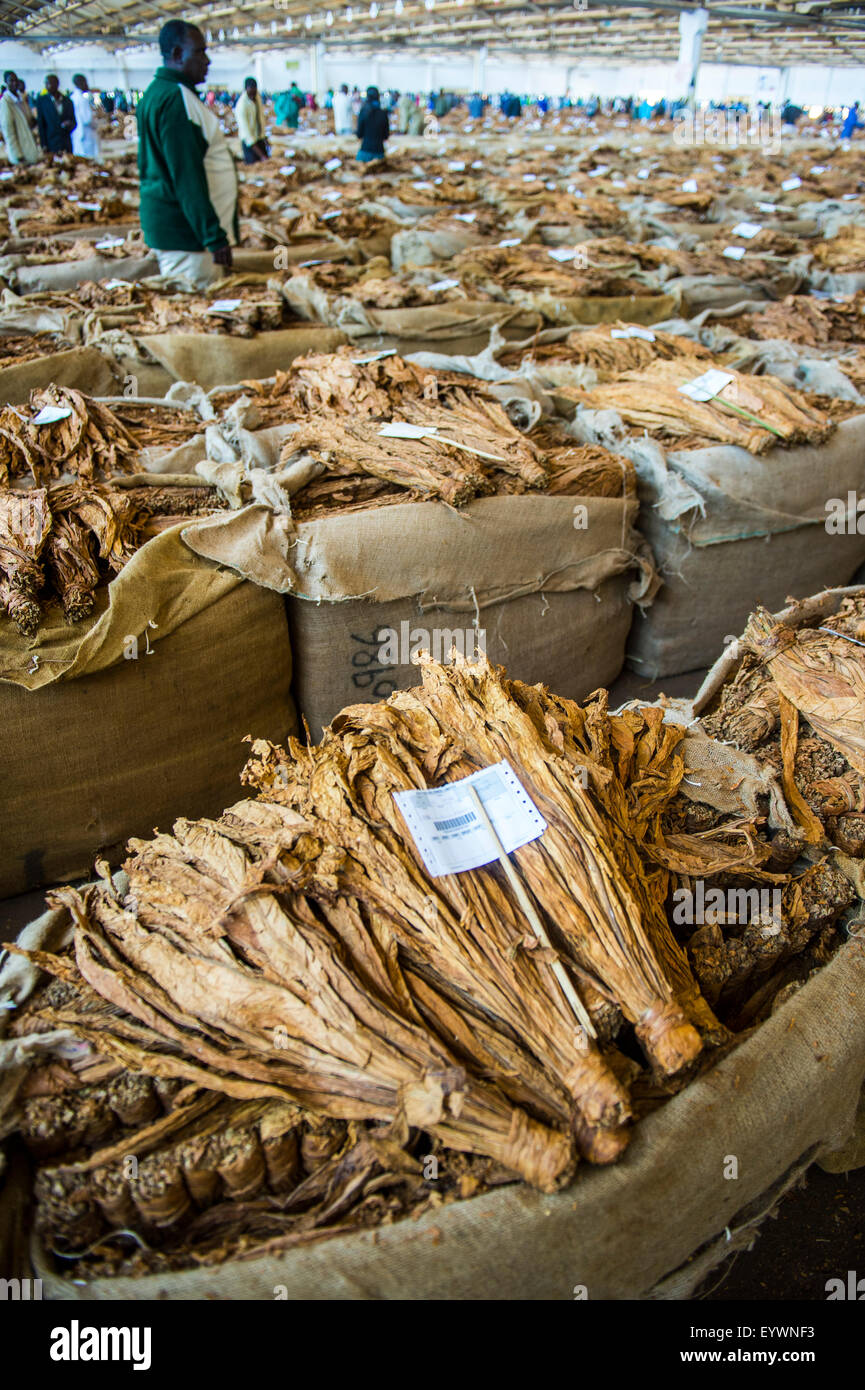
point(52, 542)
point(796, 701)
point(610, 349)
point(87, 441)
point(506, 272)
point(459, 450)
point(254, 990)
point(802, 319)
point(757, 413)
point(844, 251)
point(354, 383)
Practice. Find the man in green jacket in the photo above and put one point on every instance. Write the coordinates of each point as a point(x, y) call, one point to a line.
point(185, 167)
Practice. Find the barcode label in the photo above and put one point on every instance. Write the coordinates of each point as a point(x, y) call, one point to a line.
point(455, 822)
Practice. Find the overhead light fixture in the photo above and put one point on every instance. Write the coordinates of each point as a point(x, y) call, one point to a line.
point(398, 7)
point(430, 4)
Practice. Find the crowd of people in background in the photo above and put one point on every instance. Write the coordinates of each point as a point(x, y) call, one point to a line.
point(73, 122)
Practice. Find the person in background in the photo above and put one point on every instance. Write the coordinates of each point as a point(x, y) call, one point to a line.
point(297, 100)
point(186, 172)
point(373, 128)
point(851, 122)
point(55, 116)
point(476, 106)
point(442, 105)
point(28, 107)
point(21, 147)
point(416, 120)
point(250, 123)
point(108, 103)
point(328, 100)
point(403, 111)
point(356, 103)
point(342, 122)
point(85, 137)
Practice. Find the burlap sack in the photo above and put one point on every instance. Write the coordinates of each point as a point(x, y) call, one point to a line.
point(162, 586)
point(652, 1225)
point(730, 530)
point(86, 763)
point(427, 246)
point(66, 275)
point(552, 599)
point(216, 359)
point(84, 368)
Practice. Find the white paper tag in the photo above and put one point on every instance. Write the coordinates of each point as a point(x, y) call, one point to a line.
point(7, 174)
point(288, 170)
point(224, 306)
point(327, 216)
point(599, 171)
point(689, 186)
point(633, 331)
point(374, 357)
point(530, 178)
point(562, 253)
point(441, 285)
point(303, 264)
point(331, 195)
point(50, 414)
point(704, 387)
point(90, 207)
point(477, 164)
point(819, 169)
point(511, 241)
point(108, 244)
point(438, 180)
point(789, 184)
point(422, 184)
point(332, 164)
point(448, 831)
point(642, 173)
point(733, 253)
point(549, 147)
point(747, 229)
point(401, 429)
point(849, 197)
point(767, 207)
point(465, 216)
point(116, 284)
point(456, 165)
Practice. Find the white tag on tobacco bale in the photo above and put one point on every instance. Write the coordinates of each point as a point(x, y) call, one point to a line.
point(456, 165)
point(477, 164)
point(599, 171)
point(465, 216)
point(704, 387)
point(328, 216)
point(116, 284)
point(332, 164)
point(562, 253)
point(511, 241)
point(374, 357)
point(689, 186)
point(789, 184)
point(401, 429)
point(7, 174)
point(224, 306)
point(530, 178)
point(288, 170)
point(819, 169)
point(422, 184)
point(733, 253)
point(448, 831)
point(767, 207)
point(633, 330)
point(747, 229)
point(108, 244)
point(50, 414)
point(849, 197)
point(441, 285)
point(303, 264)
point(332, 195)
point(90, 207)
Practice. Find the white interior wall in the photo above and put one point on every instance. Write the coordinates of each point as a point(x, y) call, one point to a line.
point(278, 67)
